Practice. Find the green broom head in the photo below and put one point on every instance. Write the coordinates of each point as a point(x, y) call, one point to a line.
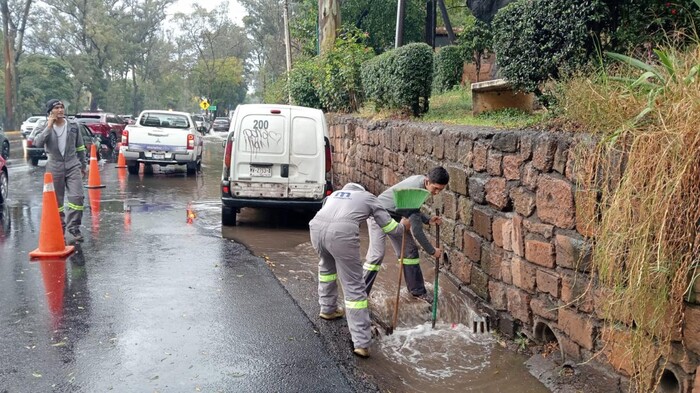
point(409, 200)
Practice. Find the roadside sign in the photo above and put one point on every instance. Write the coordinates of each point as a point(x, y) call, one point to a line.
point(204, 104)
point(212, 108)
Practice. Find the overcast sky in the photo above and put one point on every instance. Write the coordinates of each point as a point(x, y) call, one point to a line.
point(236, 11)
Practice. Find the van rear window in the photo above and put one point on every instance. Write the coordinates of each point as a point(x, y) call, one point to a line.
point(262, 134)
point(304, 139)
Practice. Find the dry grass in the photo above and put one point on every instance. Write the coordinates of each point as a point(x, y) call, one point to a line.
point(647, 213)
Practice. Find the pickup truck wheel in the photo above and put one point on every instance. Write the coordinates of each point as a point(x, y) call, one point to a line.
point(192, 168)
point(133, 168)
point(34, 161)
point(112, 140)
point(228, 216)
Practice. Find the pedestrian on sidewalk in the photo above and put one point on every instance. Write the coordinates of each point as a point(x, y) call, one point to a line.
point(335, 235)
point(63, 143)
point(435, 181)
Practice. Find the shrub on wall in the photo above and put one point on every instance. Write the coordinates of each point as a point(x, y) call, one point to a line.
point(449, 64)
point(400, 79)
point(540, 39)
point(276, 92)
point(340, 87)
point(303, 84)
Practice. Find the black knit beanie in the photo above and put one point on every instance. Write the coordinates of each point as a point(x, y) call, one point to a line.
point(51, 103)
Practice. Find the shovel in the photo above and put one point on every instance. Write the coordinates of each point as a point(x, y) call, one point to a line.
point(437, 271)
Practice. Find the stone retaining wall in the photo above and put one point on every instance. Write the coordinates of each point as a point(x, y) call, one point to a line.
point(516, 228)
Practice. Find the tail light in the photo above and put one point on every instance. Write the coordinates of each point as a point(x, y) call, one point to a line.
point(227, 154)
point(30, 142)
point(329, 161)
point(190, 141)
point(125, 138)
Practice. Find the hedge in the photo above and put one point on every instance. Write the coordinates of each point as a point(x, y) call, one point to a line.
point(401, 78)
point(449, 64)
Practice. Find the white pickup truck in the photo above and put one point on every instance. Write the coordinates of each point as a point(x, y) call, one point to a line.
point(163, 138)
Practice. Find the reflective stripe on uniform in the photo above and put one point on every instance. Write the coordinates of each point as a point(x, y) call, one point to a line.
point(411, 261)
point(356, 304)
point(75, 207)
point(327, 277)
point(80, 148)
point(390, 226)
point(60, 209)
point(371, 267)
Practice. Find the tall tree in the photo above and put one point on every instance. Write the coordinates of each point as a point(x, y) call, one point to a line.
point(328, 23)
point(14, 23)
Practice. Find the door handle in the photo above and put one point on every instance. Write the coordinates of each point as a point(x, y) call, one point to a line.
point(285, 170)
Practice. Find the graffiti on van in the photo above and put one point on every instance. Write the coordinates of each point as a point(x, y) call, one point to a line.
point(258, 140)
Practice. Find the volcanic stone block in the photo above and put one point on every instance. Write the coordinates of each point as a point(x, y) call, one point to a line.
point(482, 217)
point(477, 188)
point(548, 281)
point(458, 180)
point(543, 307)
point(494, 163)
point(523, 274)
point(472, 246)
point(497, 192)
point(519, 304)
point(573, 252)
point(540, 253)
point(523, 201)
point(506, 142)
point(512, 165)
point(555, 201)
point(579, 327)
point(543, 156)
point(497, 290)
point(480, 156)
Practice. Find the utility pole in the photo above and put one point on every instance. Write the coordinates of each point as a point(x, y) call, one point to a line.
point(400, 14)
point(288, 45)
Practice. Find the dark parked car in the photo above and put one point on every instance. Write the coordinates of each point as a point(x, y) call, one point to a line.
point(37, 153)
point(110, 129)
point(4, 146)
point(4, 181)
point(221, 124)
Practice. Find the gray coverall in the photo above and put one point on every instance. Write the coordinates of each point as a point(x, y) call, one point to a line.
point(377, 241)
point(67, 171)
point(335, 235)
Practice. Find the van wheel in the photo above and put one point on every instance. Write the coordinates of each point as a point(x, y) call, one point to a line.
point(228, 216)
point(133, 167)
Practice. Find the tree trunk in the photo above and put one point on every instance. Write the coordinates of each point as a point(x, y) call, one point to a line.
point(8, 46)
point(135, 94)
point(329, 23)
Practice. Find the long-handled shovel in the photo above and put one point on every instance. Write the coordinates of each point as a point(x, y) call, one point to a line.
point(437, 271)
point(407, 202)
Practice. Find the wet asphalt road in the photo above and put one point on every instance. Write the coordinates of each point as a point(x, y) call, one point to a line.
point(150, 302)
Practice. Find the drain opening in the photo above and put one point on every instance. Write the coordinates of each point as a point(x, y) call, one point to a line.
point(544, 334)
point(669, 382)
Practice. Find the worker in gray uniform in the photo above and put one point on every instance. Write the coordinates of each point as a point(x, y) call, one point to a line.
point(435, 181)
point(63, 143)
point(335, 235)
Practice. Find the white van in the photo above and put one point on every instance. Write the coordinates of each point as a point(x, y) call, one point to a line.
point(276, 156)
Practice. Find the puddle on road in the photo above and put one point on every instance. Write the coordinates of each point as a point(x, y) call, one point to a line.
point(416, 357)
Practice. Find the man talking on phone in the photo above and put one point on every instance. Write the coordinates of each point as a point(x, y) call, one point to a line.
point(63, 143)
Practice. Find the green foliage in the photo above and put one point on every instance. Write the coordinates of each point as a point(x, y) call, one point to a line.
point(379, 19)
point(42, 78)
point(340, 87)
point(449, 64)
point(476, 41)
point(541, 39)
point(400, 79)
point(303, 83)
point(635, 25)
point(277, 93)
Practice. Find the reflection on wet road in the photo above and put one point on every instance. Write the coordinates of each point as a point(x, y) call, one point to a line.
point(156, 300)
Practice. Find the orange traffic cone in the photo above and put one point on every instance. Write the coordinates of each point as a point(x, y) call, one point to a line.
point(94, 178)
point(94, 195)
point(121, 161)
point(53, 273)
point(51, 241)
point(190, 214)
point(127, 217)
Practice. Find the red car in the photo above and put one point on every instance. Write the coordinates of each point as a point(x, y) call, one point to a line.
point(107, 126)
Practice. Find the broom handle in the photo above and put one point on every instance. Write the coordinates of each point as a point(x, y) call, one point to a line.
point(398, 289)
point(436, 287)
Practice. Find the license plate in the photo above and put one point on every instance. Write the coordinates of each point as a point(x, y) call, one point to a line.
point(157, 156)
point(261, 171)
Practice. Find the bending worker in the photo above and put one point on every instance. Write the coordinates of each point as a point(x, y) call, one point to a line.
point(335, 235)
point(436, 181)
point(64, 146)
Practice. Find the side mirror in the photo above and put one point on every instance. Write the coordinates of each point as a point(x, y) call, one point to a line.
point(223, 143)
point(202, 129)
